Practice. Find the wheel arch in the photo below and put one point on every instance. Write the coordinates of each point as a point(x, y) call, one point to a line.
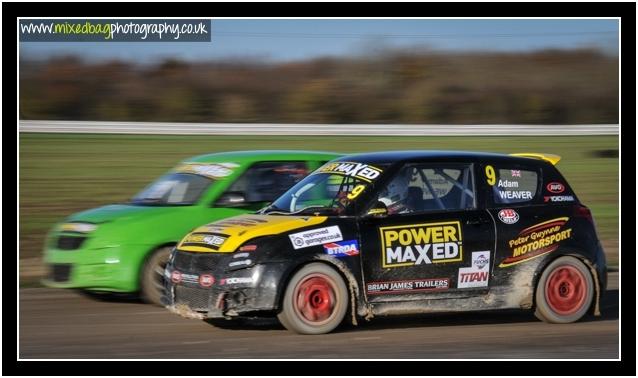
point(147, 256)
point(354, 297)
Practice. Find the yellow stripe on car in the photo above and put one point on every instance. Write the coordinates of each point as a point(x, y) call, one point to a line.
point(243, 228)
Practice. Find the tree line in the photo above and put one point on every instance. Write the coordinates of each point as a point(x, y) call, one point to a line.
point(409, 87)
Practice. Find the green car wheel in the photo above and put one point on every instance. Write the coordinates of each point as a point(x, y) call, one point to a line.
point(152, 279)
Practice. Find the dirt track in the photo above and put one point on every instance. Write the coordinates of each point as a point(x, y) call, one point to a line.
point(64, 324)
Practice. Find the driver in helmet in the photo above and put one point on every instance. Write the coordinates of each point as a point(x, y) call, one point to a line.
point(395, 195)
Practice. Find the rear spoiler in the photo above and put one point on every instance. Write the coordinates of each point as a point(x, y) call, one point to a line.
point(554, 159)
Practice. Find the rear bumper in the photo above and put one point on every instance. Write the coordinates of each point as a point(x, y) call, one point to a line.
point(601, 267)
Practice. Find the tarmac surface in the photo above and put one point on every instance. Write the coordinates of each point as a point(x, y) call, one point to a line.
point(65, 324)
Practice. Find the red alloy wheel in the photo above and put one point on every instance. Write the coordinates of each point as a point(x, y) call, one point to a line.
point(565, 290)
point(315, 298)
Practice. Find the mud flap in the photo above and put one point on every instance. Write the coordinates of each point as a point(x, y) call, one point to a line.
point(597, 283)
point(594, 274)
point(352, 283)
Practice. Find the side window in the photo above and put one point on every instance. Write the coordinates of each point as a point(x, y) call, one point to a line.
point(512, 185)
point(429, 187)
point(264, 182)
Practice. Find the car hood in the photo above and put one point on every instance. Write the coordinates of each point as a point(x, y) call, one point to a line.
point(235, 231)
point(111, 213)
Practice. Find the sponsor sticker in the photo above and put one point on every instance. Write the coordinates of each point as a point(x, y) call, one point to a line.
point(317, 236)
point(240, 262)
point(213, 170)
point(343, 248)
point(176, 277)
point(361, 171)
point(212, 240)
point(399, 287)
point(558, 198)
point(206, 280)
point(192, 278)
point(508, 216)
point(416, 244)
point(236, 280)
point(555, 187)
point(478, 274)
point(537, 240)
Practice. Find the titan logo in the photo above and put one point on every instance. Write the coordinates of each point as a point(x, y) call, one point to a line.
point(473, 277)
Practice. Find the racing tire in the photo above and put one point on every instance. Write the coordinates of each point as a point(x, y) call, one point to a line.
point(152, 277)
point(564, 292)
point(315, 301)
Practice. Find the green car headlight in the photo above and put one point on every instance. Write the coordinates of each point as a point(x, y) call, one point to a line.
point(78, 227)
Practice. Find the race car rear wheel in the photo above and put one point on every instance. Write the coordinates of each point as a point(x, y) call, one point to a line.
point(315, 301)
point(152, 279)
point(564, 292)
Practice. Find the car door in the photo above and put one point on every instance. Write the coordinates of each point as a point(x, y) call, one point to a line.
point(435, 241)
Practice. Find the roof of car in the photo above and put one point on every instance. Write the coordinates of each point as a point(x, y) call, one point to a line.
point(417, 155)
point(263, 155)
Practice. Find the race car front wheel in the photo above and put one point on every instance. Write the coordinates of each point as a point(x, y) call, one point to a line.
point(315, 301)
point(564, 292)
point(152, 278)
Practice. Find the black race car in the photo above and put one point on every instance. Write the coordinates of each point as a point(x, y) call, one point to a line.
point(399, 233)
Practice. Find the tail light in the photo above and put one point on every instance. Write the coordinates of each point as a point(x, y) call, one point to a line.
point(582, 211)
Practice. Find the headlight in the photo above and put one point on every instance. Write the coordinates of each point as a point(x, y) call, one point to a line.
point(78, 227)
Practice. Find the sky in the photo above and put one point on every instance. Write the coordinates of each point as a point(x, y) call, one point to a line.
point(289, 40)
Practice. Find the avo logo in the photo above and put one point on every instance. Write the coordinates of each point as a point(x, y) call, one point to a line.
point(555, 187)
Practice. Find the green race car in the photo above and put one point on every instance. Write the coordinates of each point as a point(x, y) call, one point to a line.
point(124, 247)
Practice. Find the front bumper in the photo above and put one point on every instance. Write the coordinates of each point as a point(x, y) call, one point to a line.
point(101, 269)
point(225, 292)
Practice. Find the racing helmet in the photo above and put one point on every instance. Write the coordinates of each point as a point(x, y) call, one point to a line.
point(397, 190)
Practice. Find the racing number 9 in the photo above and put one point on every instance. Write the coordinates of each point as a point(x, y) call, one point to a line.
point(491, 175)
point(356, 191)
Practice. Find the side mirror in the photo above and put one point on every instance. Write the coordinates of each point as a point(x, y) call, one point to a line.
point(231, 199)
point(379, 210)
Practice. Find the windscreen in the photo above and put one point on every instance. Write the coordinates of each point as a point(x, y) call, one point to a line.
point(332, 190)
point(173, 189)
